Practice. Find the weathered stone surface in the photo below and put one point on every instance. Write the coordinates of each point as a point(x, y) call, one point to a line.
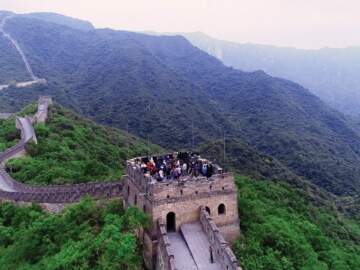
point(184, 199)
point(181, 252)
point(199, 246)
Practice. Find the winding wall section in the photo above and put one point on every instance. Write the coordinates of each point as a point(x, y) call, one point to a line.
point(12, 190)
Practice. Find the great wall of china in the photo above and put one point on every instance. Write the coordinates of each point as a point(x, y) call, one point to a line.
point(193, 220)
point(13, 190)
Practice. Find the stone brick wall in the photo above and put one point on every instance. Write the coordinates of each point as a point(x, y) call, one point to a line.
point(185, 200)
point(221, 248)
point(42, 112)
point(48, 194)
point(73, 194)
point(165, 259)
point(15, 151)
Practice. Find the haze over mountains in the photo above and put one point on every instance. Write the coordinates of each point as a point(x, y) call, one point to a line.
point(332, 74)
point(165, 90)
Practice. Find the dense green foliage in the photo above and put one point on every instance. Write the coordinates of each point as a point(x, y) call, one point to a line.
point(9, 135)
point(83, 236)
point(11, 66)
point(167, 90)
point(71, 149)
point(283, 230)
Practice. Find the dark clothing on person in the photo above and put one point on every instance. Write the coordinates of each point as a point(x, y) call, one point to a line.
point(211, 255)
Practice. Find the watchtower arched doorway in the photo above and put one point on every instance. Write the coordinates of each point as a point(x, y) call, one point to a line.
point(171, 222)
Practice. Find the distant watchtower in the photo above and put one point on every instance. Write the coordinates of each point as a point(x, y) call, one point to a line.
point(181, 191)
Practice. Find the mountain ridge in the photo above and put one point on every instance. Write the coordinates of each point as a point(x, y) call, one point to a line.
point(166, 90)
point(330, 73)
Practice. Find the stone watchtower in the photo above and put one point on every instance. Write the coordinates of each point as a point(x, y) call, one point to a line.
point(193, 207)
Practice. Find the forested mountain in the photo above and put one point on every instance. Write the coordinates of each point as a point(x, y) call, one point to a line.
point(332, 74)
point(71, 149)
point(282, 226)
point(11, 65)
point(166, 90)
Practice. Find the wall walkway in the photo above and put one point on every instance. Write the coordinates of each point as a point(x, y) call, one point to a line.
point(13, 190)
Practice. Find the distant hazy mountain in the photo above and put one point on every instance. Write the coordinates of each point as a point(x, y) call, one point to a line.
point(331, 74)
point(166, 90)
point(62, 20)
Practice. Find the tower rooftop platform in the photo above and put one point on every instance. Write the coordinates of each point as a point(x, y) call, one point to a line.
point(175, 167)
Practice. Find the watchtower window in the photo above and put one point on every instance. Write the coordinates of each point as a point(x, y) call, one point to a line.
point(207, 210)
point(135, 200)
point(222, 209)
point(196, 192)
point(128, 191)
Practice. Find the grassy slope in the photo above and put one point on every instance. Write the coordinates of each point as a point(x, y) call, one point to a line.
point(72, 149)
point(83, 236)
point(282, 229)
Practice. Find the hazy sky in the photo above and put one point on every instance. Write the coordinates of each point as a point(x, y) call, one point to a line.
point(298, 23)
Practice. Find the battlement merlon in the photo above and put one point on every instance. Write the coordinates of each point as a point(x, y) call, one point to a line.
point(168, 191)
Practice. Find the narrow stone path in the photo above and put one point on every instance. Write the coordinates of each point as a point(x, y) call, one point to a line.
point(29, 133)
point(183, 258)
point(52, 197)
point(199, 244)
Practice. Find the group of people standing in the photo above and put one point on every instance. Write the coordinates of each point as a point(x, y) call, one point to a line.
point(174, 166)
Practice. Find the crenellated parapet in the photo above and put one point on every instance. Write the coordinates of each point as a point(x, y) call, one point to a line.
point(221, 248)
point(71, 194)
point(173, 200)
point(191, 202)
point(165, 258)
point(27, 135)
